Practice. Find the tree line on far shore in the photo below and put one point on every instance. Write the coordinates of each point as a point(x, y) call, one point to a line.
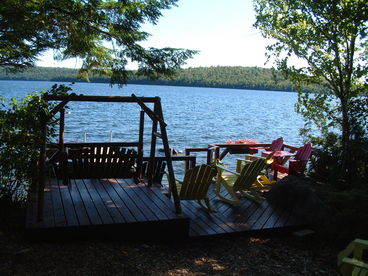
point(237, 77)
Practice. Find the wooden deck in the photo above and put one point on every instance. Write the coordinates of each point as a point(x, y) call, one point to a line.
point(110, 207)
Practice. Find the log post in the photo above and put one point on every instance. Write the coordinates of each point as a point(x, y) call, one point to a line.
point(41, 167)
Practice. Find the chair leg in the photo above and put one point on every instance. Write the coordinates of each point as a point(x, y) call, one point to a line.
point(234, 201)
point(207, 205)
point(252, 196)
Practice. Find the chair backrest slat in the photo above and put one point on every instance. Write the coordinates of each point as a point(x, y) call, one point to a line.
point(249, 174)
point(196, 182)
point(277, 144)
point(250, 171)
point(158, 170)
point(304, 152)
point(298, 165)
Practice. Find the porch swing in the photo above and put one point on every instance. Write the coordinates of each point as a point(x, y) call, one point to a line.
point(111, 159)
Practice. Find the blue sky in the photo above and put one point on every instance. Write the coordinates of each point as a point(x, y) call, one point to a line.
point(222, 30)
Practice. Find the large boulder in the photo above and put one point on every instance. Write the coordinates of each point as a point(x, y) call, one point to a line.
point(295, 193)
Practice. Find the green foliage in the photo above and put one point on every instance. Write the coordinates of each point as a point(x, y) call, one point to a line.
point(331, 37)
point(221, 76)
point(20, 140)
point(105, 35)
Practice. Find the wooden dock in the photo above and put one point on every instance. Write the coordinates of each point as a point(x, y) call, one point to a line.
point(119, 208)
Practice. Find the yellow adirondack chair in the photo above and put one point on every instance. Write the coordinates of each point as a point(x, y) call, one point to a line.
point(243, 182)
point(350, 260)
point(195, 186)
point(262, 181)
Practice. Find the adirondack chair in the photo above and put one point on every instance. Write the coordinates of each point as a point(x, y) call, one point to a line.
point(351, 261)
point(275, 145)
point(298, 164)
point(262, 181)
point(195, 186)
point(158, 170)
point(100, 162)
point(243, 182)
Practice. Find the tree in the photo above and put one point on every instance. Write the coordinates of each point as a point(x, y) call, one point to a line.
point(104, 34)
point(331, 36)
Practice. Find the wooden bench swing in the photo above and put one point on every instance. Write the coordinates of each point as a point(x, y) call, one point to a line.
point(108, 160)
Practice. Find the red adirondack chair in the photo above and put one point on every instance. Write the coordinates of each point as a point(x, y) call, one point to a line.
point(275, 146)
point(297, 164)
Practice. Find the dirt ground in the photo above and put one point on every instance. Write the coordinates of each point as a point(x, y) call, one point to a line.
point(237, 255)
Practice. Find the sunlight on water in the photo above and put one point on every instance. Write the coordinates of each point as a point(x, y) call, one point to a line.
point(196, 117)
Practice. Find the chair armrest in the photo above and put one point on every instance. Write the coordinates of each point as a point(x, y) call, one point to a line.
point(248, 159)
point(227, 170)
point(280, 168)
point(355, 263)
point(354, 249)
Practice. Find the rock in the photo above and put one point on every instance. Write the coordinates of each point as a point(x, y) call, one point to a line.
point(295, 193)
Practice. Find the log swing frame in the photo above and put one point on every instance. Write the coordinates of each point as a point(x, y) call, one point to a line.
point(156, 116)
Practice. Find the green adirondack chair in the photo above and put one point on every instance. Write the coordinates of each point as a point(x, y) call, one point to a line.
point(195, 186)
point(350, 260)
point(243, 182)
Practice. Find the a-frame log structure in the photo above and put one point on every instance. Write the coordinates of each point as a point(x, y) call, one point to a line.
point(158, 124)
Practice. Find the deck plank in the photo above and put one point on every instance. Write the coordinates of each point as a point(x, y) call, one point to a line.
point(48, 213)
point(58, 208)
point(255, 211)
point(118, 202)
point(68, 205)
point(108, 202)
point(260, 218)
point(272, 219)
point(202, 225)
point(166, 206)
point(156, 192)
point(97, 200)
point(241, 214)
point(88, 203)
point(134, 203)
point(282, 218)
point(149, 202)
point(80, 209)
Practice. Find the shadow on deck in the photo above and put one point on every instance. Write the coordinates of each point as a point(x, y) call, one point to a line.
point(119, 208)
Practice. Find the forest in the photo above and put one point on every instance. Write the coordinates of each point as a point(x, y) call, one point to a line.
point(255, 78)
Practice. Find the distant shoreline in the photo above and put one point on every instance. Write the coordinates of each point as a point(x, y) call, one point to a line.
point(226, 77)
point(148, 83)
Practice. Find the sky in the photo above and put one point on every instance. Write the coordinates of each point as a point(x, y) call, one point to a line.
point(222, 30)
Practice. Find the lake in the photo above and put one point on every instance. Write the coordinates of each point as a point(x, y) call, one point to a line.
point(195, 116)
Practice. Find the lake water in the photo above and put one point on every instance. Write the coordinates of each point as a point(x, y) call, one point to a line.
point(195, 117)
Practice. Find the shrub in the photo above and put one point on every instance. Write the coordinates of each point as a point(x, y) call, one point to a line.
point(20, 140)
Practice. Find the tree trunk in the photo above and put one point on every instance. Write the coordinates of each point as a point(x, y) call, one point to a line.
point(345, 144)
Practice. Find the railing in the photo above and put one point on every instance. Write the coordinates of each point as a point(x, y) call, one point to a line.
point(212, 152)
